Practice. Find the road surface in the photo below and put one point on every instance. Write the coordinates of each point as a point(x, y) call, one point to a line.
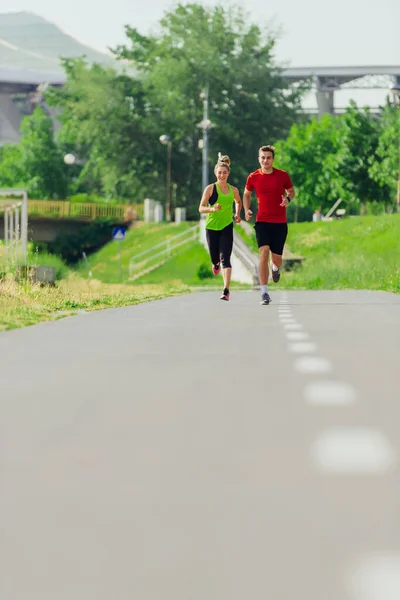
point(193, 449)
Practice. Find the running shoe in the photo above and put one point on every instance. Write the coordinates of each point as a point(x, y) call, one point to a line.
point(216, 269)
point(276, 275)
point(265, 299)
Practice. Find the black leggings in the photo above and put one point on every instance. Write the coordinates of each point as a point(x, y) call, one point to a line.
point(220, 245)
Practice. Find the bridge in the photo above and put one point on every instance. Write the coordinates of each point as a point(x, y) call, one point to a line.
point(49, 218)
point(327, 80)
point(30, 84)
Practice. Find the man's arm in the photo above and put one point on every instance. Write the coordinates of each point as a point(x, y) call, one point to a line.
point(246, 204)
point(290, 194)
point(238, 203)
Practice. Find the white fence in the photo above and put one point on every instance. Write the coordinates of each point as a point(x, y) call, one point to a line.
point(151, 259)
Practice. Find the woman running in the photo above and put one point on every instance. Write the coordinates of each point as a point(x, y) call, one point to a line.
point(217, 202)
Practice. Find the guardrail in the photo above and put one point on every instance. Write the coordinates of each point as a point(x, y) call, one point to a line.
point(62, 209)
point(154, 257)
point(246, 256)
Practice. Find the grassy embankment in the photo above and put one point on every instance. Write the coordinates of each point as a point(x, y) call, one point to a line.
point(22, 305)
point(182, 268)
point(353, 253)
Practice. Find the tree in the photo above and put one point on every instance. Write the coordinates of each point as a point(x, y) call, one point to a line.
point(41, 163)
point(385, 168)
point(11, 173)
point(308, 154)
point(359, 136)
point(251, 104)
point(103, 123)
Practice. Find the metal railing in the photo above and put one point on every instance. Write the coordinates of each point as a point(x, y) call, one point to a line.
point(154, 257)
point(61, 209)
point(246, 256)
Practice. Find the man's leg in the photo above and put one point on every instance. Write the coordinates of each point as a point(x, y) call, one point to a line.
point(263, 242)
point(276, 261)
point(279, 238)
point(263, 270)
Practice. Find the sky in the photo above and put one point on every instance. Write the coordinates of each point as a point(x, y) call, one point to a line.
point(312, 32)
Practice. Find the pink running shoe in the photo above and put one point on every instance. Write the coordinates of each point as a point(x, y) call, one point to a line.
point(216, 269)
point(225, 295)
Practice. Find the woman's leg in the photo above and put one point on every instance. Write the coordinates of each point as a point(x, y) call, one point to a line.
point(226, 244)
point(213, 245)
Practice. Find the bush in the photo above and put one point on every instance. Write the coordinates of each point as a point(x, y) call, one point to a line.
point(204, 272)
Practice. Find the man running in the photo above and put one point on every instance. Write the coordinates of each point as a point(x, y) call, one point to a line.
point(274, 191)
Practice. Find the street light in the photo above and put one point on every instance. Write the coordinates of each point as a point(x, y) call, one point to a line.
point(166, 141)
point(396, 97)
point(205, 125)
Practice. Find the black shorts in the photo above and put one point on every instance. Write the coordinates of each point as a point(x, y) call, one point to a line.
point(273, 235)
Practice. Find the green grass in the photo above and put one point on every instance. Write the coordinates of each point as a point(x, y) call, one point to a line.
point(105, 263)
point(353, 253)
point(182, 268)
point(22, 305)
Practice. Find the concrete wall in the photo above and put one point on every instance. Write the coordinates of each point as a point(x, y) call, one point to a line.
point(10, 120)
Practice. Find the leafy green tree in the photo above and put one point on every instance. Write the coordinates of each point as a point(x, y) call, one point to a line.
point(11, 173)
point(385, 168)
point(308, 154)
point(359, 136)
point(217, 48)
point(113, 121)
point(103, 123)
point(42, 162)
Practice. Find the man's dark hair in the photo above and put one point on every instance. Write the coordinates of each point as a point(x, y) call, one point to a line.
point(267, 148)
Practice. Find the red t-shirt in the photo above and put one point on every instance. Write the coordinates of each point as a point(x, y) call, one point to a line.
point(269, 191)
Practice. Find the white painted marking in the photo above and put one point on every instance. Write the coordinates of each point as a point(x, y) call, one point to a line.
point(377, 578)
point(293, 326)
point(353, 451)
point(287, 320)
point(312, 364)
point(297, 336)
point(329, 393)
point(303, 347)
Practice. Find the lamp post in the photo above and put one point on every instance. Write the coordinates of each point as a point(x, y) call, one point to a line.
point(166, 141)
point(396, 97)
point(205, 125)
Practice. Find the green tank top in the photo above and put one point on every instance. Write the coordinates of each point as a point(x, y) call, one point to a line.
point(222, 218)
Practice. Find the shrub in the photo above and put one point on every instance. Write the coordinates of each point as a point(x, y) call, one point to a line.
point(204, 272)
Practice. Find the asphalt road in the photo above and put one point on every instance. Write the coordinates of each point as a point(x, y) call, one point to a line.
point(194, 449)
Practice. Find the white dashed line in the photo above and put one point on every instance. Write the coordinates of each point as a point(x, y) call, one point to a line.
point(293, 326)
point(377, 578)
point(297, 336)
point(312, 364)
point(303, 347)
point(329, 393)
point(287, 320)
point(352, 451)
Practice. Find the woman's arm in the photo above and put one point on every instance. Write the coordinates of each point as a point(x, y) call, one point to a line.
point(203, 208)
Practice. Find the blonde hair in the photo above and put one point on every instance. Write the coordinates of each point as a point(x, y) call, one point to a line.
point(223, 161)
